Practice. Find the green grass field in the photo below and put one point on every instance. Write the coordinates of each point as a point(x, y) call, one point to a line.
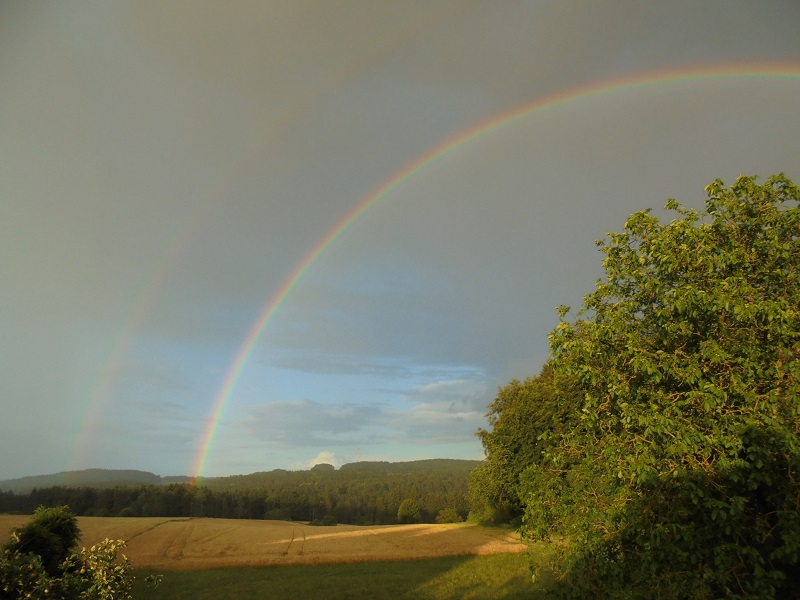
point(498, 576)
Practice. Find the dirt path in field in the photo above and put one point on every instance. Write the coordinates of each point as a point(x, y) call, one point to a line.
point(163, 543)
point(179, 542)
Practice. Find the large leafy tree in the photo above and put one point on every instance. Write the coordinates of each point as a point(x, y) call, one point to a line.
point(682, 478)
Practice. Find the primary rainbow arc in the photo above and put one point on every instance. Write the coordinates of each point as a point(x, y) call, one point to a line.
point(429, 158)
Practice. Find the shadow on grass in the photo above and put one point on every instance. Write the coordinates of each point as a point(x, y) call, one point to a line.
point(496, 576)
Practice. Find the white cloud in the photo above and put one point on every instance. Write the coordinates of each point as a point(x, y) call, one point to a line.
point(324, 457)
point(464, 395)
point(310, 424)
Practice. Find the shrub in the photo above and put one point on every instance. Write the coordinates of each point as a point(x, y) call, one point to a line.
point(449, 515)
point(50, 535)
point(39, 562)
point(408, 511)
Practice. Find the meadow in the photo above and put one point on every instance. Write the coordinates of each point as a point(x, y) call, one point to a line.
point(214, 558)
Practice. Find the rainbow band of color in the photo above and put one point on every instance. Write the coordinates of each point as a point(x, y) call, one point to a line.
point(221, 400)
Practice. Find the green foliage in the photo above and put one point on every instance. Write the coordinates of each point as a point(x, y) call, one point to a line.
point(408, 511)
point(99, 573)
point(22, 576)
point(323, 467)
point(326, 521)
point(51, 534)
point(682, 478)
point(363, 493)
point(526, 418)
point(38, 562)
point(449, 515)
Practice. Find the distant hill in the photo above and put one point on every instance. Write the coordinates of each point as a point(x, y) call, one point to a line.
point(362, 493)
point(431, 464)
point(362, 470)
point(99, 478)
point(86, 478)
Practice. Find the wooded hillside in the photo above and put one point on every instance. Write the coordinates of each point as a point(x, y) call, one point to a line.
point(358, 493)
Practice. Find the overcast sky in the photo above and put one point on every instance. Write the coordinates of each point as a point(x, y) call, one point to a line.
point(167, 168)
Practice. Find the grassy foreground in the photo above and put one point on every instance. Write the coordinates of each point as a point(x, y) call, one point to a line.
point(497, 576)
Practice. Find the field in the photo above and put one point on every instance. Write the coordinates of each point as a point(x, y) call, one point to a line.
point(161, 543)
point(215, 558)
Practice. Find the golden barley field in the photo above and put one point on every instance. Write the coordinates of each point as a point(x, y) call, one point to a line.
point(183, 543)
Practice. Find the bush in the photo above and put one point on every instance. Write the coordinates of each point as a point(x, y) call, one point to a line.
point(22, 576)
point(408, 511)
point(50, 535)
point(128, 511)
point(449, 515)
point(39, 562)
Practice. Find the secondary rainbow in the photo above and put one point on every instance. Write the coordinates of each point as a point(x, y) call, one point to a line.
point(426, 161)
point(347, 69)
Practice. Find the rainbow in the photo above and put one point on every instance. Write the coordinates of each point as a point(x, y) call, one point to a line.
point(506, 119)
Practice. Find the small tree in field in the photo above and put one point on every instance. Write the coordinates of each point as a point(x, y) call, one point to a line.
point(408, 511)
point(449, 515)
point(682, 478)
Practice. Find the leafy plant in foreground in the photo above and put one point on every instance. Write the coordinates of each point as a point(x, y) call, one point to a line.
point(39, 562)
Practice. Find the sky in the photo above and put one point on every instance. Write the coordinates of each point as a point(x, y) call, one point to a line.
point(248, 235)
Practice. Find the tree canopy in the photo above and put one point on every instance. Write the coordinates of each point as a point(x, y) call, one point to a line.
point(675, 472)
point(358, 493)
point(681, 478)
point(526, 418)
point(408, 512)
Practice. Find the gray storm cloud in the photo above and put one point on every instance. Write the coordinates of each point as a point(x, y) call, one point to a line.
point(167, 166)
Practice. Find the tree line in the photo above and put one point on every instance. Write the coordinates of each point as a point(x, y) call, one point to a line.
point(367, 493)
point(660, 444)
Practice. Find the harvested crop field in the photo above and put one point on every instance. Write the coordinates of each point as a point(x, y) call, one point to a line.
point(164, 543)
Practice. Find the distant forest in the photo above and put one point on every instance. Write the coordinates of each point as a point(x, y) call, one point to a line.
point(363, 493)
